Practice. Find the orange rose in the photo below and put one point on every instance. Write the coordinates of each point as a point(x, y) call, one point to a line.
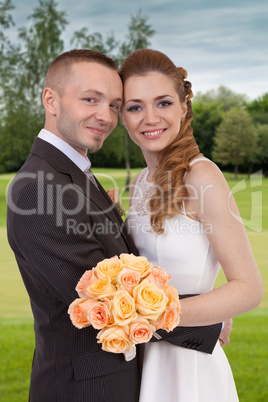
point(86, 280)
point(123, 308)
point(114, 339)
point(109, 268)
point(128, 280)
point(173, 296)
point(150, 300)
point(137, 264)
point(140, 331)
point(159, 276)
point(101, 288)
point(171, 317)
point(78, 311)
point(99, 314)
point(159, 324)
point(113, 194)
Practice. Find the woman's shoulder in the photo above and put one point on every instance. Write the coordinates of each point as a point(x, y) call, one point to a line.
point(205, 176)
point(203, 171)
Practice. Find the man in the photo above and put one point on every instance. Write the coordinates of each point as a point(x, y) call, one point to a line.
point(61, 222)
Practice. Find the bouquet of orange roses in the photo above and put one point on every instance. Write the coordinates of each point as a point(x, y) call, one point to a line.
point(127, 299)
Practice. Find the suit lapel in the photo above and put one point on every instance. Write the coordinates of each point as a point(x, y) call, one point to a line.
point(82, 183)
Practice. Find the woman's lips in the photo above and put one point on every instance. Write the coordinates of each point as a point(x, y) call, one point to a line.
point(150, 134)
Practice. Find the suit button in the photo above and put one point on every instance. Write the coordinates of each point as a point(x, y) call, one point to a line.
point(185, 344)
point(199, 347)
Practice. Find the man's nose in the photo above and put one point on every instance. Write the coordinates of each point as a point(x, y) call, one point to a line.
point(104, 114)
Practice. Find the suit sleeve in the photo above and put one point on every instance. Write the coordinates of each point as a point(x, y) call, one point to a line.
point(202, 338)
point(57, 248)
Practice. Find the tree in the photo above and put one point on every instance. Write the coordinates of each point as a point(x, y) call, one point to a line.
point(25, 68)
point(42, 43)
point(236, 139)
point(258, 109)
point(262, 153)
point(82, 39)
point(207, 117)
point(6, 21)
point(223, 97)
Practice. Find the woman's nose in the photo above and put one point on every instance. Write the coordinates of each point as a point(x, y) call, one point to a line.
point(151, 116)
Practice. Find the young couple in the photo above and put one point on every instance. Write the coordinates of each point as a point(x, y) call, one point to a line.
point(182, 218)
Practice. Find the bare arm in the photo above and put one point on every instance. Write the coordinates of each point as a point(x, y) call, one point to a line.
point(213, 204)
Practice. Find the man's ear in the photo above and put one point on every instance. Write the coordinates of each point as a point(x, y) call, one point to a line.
point(50, 100)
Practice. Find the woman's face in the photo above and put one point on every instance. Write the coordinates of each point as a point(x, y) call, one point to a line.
point(152, 111)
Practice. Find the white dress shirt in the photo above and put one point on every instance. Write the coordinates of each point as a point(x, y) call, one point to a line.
point(82, 162)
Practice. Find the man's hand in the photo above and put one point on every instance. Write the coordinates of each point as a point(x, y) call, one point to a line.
point(224, 335)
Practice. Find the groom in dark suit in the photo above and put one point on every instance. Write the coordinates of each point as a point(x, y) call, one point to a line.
point(61, 222)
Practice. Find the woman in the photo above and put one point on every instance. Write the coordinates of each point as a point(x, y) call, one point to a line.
point(184, 219)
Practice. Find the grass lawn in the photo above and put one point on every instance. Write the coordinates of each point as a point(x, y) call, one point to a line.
point(247, 352)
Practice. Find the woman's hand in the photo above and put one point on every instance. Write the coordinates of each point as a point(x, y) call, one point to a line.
point(224, 337)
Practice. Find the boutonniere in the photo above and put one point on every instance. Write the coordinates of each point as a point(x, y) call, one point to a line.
point(113, 194)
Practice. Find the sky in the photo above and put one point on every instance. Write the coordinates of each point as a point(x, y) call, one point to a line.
point(218, 42)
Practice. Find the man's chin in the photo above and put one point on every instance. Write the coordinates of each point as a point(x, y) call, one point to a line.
point(94, 148)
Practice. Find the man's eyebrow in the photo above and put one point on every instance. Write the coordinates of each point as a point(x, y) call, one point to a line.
point(118, 100)
point(98, 93)
point(92, 91)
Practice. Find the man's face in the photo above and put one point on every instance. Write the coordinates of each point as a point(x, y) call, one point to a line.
point(88, 107)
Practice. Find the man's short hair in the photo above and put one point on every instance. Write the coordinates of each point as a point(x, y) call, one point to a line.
point(59, 69)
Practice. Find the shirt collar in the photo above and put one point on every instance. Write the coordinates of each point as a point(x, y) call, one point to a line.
point(83, 163)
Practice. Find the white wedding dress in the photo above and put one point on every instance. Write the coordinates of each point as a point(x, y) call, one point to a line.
point(171, 373)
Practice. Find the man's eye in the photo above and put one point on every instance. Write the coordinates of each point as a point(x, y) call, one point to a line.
point(90, 100)
point(115, 106)
point(134, 108)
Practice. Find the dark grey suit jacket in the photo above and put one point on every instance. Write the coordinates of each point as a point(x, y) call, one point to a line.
point(59, 225)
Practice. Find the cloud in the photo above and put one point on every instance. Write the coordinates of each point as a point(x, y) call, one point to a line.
point(219, 42)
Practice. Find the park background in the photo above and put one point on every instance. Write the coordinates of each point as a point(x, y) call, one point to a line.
point(222, 45)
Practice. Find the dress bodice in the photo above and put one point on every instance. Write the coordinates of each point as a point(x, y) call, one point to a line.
point(183, 249)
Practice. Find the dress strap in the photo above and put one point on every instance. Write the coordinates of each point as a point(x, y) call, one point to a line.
point(198, 159)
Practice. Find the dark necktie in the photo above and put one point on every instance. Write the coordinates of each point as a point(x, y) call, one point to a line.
point(91, 177)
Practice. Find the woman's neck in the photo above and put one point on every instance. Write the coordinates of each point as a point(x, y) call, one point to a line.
point(152, 164)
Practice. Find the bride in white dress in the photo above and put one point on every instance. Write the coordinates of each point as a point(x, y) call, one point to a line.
point(183, 218)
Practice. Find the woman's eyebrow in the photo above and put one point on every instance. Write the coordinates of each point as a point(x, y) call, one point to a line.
point(156, 98)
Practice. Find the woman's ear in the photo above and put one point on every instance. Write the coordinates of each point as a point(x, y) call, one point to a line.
point(50, 100)
point(184, 110)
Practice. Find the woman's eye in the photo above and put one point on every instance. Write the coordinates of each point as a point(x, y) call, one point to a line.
point(90, 100)
point(165, 103)
point(134, 108)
